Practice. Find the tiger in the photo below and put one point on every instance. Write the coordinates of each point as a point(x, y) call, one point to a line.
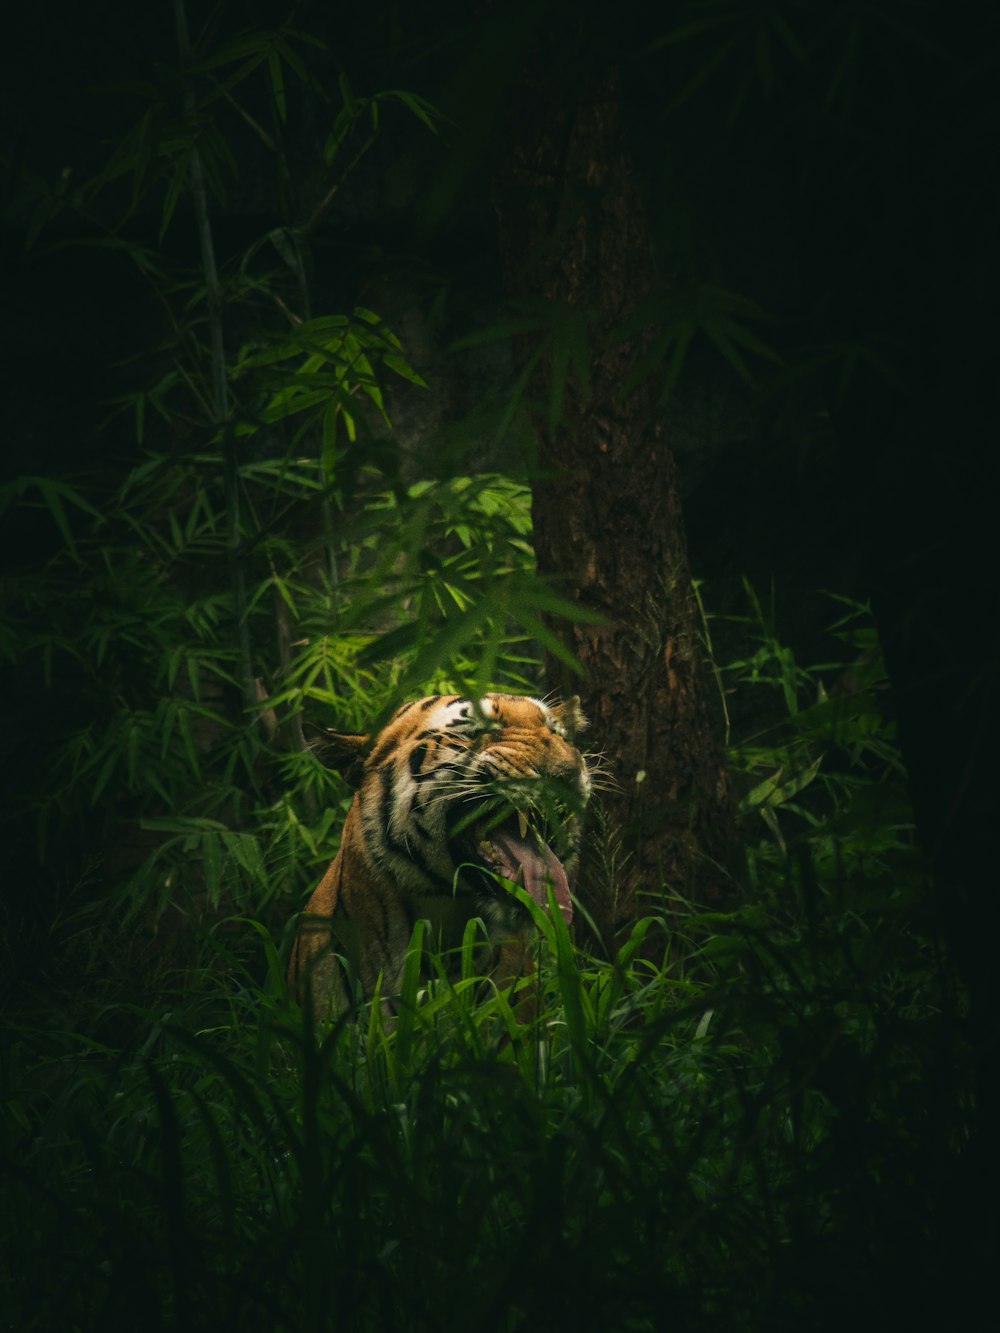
point(457, 799)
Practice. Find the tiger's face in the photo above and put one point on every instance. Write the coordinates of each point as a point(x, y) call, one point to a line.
point(457, 791)
point(458, 799)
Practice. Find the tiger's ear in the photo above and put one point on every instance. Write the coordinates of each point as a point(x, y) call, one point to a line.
point(343, 751)
point(570, 717)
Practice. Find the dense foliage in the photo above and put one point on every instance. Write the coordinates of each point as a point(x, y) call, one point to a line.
point(705, 1140)
point(735, 1123)
point(268, 552)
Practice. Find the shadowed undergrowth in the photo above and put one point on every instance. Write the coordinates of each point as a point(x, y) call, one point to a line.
point(753, 1129)
point(648, 1152)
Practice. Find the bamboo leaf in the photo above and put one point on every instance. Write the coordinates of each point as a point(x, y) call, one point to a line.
point(212, 865)
point(187, 737)
point(182, 167)
point(403, 369)
point(394, 643)
point(290, 56)
point(347, 96)
point(424, 111)
point(277, 80)
point(51, 496)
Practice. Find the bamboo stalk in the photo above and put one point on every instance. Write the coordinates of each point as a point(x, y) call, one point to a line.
point(220, 387)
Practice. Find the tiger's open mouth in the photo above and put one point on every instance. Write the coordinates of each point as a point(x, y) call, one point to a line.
point(516, 851)
point(507, 841)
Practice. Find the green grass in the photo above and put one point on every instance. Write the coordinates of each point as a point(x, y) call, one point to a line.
point(741, 1126)
point(645, 1145)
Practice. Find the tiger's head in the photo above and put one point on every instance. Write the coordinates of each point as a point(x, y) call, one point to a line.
point(457, 800)
point(455, 792)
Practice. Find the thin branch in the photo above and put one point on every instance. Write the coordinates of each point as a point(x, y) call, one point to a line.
point(220, 387)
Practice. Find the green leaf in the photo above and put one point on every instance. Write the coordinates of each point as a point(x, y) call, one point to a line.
point(181, 824)
point(425, 111)
point(444, 646)
point(347, 96)
point(182, 166)
point(277, 80)
point(548, 640)
point(211, 860)
point(761, 793)
point(251, 44)
point(53, 493)
point(187, 737)
point(290, 56)
point(773, 792)
point(394, 643)
point(570, 984)
point(329, 441)
point(283, 240)
point(404, 369)
point(409, 987)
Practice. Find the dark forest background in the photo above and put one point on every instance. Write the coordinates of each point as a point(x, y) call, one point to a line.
point(727, 269)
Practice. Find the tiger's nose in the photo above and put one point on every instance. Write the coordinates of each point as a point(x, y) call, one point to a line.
point(564, 763)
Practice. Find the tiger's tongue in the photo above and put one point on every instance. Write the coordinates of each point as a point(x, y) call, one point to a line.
point(533, 863)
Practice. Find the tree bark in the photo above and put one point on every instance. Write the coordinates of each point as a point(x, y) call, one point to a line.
point(607, 515)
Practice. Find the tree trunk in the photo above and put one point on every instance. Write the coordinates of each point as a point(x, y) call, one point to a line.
point(607, 516)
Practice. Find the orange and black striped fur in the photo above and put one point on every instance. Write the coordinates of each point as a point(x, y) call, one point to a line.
point(458, 798)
